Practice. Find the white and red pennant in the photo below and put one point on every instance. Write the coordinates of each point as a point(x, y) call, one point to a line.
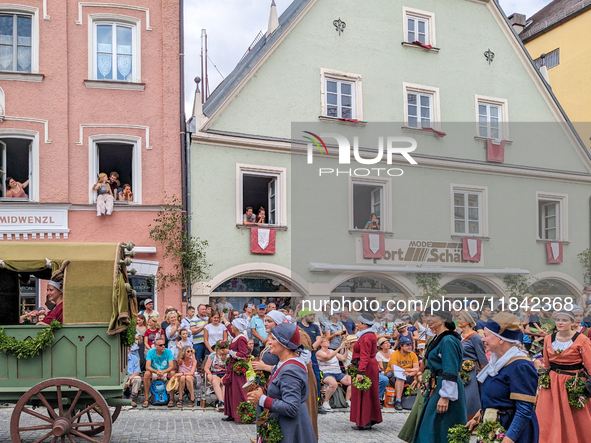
point(374, 246)
point(472, 249)
point(262, 240)
point(554, 250)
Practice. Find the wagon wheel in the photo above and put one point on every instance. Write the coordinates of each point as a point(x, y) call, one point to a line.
point(62, 421)
point(97, 430)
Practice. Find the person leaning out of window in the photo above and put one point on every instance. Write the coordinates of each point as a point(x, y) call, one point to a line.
point(104, 201)
point(373, 223)
point(249, 219)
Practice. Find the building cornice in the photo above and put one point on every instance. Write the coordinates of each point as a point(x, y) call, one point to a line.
point(297, 147)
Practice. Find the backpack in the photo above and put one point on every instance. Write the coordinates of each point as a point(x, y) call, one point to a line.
point(158, 395)
point(337, 401)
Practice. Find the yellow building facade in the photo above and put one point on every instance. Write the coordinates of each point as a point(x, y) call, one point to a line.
point(561, 31)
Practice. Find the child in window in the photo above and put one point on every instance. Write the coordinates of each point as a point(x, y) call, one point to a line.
point(104, 201)
point(261, 215)
point(125, 194)
point(114, 183)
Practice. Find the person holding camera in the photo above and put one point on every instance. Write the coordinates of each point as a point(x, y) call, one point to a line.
point(373, 223)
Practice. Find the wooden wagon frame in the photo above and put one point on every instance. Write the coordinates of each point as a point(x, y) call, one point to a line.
point(83, 372)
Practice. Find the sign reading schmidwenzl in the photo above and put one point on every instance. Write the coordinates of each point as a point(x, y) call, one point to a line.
point(420, 252)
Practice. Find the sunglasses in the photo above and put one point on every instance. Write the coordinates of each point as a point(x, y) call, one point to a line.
point(158, 346)
point(190, 352)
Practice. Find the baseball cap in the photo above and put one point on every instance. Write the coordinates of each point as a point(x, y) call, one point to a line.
point(148, 300)
point(587, 288)
point(406, 317)
point(262, 306)
point(405, 341)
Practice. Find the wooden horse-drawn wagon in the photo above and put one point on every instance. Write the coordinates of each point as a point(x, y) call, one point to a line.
point(70, 386)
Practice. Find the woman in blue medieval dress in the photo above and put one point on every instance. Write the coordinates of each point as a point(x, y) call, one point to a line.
point(509, 382)
point(287, 390)
point(444, 404)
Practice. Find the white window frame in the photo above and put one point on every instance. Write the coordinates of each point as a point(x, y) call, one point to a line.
point(562, 200)
point(33, 137)
point(280, 190)
point(435, 102)
point(504, 114)
point(427, 16)
point(386, 202)
point(483, 209)
point(347, 77)
point(115, 19)
point(93, 163)
point(34, 13)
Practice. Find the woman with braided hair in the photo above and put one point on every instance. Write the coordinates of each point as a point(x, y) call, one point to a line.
point(55, 294)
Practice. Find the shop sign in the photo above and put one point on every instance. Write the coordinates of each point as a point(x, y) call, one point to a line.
point(420, 252)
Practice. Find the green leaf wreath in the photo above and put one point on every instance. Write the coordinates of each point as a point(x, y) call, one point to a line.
point(269, 430)
point(458, 434)
point(221, 344)
point(364, 384)
point(247, 412)
point(240, 367)
point(465, 377)
point(409, 391)
point(490, 432)
point(128, 336)
point(544, 381)
point(575, 387)
point(31, 347)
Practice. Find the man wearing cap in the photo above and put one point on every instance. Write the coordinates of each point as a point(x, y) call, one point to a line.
point(258, 330)
point(365, 405)
point(509, 382)
point(378, 325)
point(404, 358)
point(149, 309)
point(197, 325)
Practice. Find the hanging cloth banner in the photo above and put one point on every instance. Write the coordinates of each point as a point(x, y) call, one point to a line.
point(472, 249)
point(554, 250)
point(495, 151)
point(374, 245)
point(262, 240)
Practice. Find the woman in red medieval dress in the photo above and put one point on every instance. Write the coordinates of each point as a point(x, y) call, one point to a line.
point(567, 353)
point(365, 405)
point(233, 382)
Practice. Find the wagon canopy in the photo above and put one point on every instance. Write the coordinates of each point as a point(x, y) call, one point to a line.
point(94, 286)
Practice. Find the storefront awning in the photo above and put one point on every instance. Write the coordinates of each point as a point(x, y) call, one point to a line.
point(328, 267)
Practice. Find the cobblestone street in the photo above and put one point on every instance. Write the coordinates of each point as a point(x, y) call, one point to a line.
point(186, 425)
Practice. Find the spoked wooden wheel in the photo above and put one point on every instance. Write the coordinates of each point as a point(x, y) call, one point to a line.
point(97, 430)
point(72, 409)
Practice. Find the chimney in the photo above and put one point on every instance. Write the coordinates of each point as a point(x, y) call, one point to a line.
point(273, 20)
point(197, 113)
point(517, 21)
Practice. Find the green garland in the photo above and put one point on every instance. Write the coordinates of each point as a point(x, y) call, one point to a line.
point(458, 434)
point(31, 347)
point(247, 412)
point(128, 335)
point(352, 371)
point(270, 431)
point(575, 386)
point(490, 432)
point(468, 366)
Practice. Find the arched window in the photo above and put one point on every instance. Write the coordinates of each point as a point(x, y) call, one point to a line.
point(255, 289)
point(549, 287)
point(366, 285)
point(470, 286)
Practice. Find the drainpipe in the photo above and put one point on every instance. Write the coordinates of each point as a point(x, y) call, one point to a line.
point(184, 171)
